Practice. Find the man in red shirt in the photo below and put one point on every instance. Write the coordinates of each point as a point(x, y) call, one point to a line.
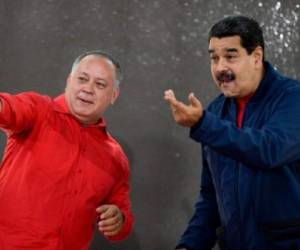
point(62, 171)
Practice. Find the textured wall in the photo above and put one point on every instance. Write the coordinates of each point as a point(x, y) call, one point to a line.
point(161, 44)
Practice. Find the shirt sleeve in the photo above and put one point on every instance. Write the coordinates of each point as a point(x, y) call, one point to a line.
point(120, 197)
point(276, 143)
point(19, 112)
point(201, 231)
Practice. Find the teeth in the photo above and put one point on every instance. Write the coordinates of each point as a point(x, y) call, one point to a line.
point(85, 101)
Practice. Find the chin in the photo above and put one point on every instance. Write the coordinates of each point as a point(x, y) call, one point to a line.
point(229, 94)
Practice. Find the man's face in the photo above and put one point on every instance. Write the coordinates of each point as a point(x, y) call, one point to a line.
point(91, 89)
point(235, 73)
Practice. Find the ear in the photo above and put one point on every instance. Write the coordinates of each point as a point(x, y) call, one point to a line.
point(115, 95)
point(258, 54)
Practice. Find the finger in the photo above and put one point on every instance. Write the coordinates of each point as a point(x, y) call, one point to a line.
point(109, 221)
point(110, 212)
point(169, 94)
point(193, 100)
point(176, 106)
point(170, 97)
point(102, 209)
point(113, 233)
point(111, 227)
point(179, 107)
point(107, 211)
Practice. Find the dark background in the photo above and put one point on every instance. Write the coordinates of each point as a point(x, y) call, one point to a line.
point(161, 45)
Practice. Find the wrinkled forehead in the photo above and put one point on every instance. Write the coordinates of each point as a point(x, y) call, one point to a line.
point(224, 44)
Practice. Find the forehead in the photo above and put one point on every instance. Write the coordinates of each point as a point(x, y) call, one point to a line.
point(95, 63)
point(224, 44)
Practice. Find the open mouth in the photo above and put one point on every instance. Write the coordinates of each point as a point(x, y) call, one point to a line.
point(85, 100)
point(225, 77)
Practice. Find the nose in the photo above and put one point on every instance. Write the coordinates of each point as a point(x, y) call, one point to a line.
point(221, 65)
point(88, 87)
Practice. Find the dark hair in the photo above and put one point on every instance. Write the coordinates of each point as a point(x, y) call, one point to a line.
point(246, 28)
point(104, 55)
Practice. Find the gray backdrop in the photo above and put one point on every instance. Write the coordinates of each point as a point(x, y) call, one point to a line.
point(161, 45)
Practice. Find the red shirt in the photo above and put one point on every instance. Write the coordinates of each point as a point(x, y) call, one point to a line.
point(241, 107)
point(55, 173)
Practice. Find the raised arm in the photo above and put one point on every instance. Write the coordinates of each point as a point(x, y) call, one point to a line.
point(276, 143)
point(273, 145)
point(19, 112)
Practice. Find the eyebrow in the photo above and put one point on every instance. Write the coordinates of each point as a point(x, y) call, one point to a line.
point(83, 73)
point(210, 51)
point(231, 50)
point(97, 78)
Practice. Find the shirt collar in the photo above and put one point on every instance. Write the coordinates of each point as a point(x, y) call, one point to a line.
point(265, 84)
point(242, 101)
point(60, 105)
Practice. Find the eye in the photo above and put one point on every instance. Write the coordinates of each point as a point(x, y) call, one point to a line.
point(214, 58)
point(100, 85)
point(230, 57)
point(82, 79)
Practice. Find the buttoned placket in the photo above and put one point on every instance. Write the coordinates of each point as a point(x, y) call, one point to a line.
point(75, 181)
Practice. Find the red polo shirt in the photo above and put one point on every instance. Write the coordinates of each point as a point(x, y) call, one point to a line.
point(54, 174)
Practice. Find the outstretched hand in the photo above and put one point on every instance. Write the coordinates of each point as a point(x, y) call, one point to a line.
point(184, 115)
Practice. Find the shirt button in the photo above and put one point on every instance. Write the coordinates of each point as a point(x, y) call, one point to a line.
point(80, 171)
point(76, 192)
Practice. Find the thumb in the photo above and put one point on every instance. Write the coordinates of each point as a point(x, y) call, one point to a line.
point(193, 100)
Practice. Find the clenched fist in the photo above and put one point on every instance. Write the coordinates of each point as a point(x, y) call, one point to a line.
point(111, 219)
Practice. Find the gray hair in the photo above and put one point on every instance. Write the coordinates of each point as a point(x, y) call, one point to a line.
point(119, 75)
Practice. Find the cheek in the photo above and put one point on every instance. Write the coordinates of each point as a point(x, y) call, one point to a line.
point(71, 89)
point(103, 98)
point(213, 72)
point(213, 75)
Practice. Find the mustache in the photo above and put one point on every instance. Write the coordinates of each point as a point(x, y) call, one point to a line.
point(225, 76)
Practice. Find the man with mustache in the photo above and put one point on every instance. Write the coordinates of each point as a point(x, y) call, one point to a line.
point(250, 135)
point(62, 173)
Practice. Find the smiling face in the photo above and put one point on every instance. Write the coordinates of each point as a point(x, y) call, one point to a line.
point(91, 88)
point(235, 72)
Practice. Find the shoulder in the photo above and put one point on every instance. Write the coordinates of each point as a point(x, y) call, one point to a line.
point(286, 87)
point(280, 82)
